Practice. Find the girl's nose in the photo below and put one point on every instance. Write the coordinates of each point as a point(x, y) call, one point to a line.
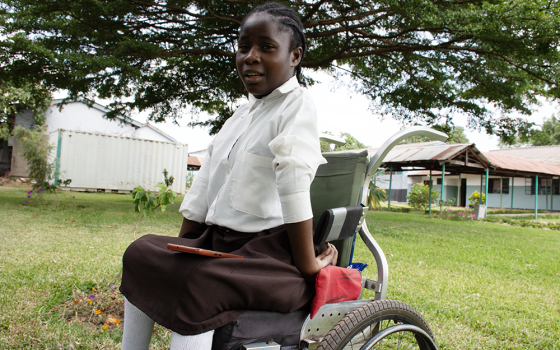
point(252, 57)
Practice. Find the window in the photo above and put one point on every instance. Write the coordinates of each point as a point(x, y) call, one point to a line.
point(546, 186)
point(530, 186)
point(555, 186)
point(438, 181)
point(505, 186)
point(493, 185)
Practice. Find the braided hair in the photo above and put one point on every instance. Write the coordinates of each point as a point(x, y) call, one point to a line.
point(288, 21)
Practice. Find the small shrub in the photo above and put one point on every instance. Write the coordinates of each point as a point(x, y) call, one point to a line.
point(146, 202)
point(477, 198)
point(418, 198)
point(189, 179)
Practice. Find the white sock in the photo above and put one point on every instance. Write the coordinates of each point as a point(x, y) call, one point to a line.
point(201, 341)
point(138, 328)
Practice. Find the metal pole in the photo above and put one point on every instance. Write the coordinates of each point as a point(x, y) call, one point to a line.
point(512, 181)
point(486, 195)
point(536, 194)
point(430, 196)
point(390, 185)
point(442, 187)
point(459, 192)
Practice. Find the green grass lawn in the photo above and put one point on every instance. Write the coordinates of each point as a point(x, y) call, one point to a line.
point(479, 285)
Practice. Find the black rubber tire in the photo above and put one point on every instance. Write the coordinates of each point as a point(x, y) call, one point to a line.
point(356, 321)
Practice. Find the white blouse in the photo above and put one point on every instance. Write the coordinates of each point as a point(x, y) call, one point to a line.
point(259, 168)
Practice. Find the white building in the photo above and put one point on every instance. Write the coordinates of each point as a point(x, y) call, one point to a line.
point(78, 116)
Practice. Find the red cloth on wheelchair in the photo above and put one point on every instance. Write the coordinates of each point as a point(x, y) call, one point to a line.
point(192, 294)
point(335, 284)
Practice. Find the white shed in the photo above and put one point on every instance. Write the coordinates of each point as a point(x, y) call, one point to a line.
point(78, 116)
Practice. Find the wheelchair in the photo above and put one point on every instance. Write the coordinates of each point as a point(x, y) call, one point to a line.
point(341, 184)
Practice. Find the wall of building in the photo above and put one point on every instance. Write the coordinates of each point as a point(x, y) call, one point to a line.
point(147, 133)
point(78, 116)
point(521, 200)
point(399, 188)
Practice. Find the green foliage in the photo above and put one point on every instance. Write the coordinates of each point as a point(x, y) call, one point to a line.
point(419, 61)
point(189, 179)
point(36, 151)
point(146, 202)
point(351, 143)
point(167, 180)
point(549, 133)
point(456, 135)
point(376, 194)
point(419, 196)
point(13, 99)
point(475, 198)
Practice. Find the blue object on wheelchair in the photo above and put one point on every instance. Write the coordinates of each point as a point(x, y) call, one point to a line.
point(358, 266)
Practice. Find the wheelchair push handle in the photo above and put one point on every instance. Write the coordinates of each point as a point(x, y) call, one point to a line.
point(394, 140)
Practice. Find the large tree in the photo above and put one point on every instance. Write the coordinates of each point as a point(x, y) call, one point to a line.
point(419, 61)
point(548, 135)
point(13, 99)
point(456, 135)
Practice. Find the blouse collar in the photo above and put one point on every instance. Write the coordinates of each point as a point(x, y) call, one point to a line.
point(288, 86)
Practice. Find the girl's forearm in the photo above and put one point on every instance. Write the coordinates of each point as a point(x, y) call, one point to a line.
point(303, 252)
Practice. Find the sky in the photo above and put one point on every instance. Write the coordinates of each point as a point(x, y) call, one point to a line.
point(339, 110)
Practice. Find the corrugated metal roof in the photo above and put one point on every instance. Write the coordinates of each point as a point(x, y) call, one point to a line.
point(521, 164)
point(194, 161)
point(437, 151)
point(549, 154)
point(426, 151)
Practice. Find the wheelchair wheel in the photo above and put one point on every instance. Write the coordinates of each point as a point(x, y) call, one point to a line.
point(383, 324)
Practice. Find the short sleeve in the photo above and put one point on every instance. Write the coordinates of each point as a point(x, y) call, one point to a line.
point(297, 156)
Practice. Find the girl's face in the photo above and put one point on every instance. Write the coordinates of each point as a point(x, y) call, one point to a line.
point(264, 60)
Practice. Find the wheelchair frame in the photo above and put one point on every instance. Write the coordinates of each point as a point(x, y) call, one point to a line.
point(315, 330)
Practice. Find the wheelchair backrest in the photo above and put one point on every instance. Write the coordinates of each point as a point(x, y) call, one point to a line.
point(339, 184)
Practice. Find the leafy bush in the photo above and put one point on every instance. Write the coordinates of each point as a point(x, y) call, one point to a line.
point(36, 151)
point(189, 179)
point(475, 198)
point(419, 197)
point(146, 202)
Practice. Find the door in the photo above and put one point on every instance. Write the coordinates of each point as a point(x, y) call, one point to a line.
point(463, 193)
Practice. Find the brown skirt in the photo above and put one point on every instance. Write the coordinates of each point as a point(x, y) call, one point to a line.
point(191, 294)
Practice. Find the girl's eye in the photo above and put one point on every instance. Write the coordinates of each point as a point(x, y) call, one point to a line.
point(242, 47)
point(268, 47)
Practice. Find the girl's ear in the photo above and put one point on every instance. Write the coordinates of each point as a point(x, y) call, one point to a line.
point(296, 56)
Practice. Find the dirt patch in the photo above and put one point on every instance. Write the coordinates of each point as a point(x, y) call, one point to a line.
point(99, 306)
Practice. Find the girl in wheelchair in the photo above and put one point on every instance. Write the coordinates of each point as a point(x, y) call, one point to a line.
point(250, 198)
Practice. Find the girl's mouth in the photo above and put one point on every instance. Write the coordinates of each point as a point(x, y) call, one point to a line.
point(253, 76)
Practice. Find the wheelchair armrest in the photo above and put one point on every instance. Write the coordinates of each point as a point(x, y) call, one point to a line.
point(339, 223)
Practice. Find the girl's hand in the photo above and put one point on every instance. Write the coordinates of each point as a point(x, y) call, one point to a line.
point(303, 251)
point(328, 257)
